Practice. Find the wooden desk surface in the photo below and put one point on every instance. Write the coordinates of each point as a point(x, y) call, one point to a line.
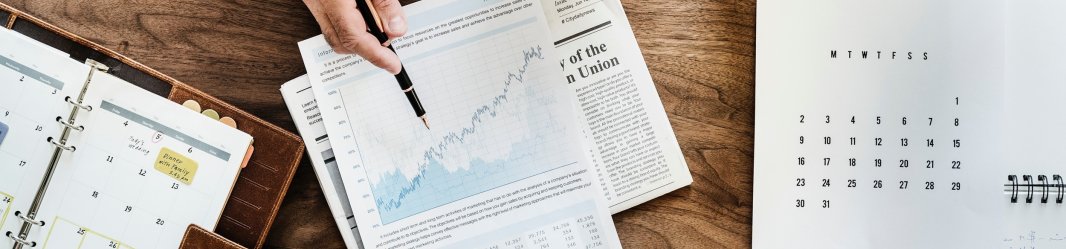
point(701, 55)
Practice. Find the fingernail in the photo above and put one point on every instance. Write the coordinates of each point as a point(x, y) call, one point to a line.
point(397, 24)
point(388, 42)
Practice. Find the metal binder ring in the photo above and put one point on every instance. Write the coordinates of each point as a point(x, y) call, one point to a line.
point(61, 146)
point(79, 105)
point(28, 220)
point(1044, 184)
point(1061, 186)
point(1013, 188)
point(11, 235)
point(65, 123)
point(1029, 187)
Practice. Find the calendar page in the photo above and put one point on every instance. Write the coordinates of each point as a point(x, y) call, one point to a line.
point(33, 83)
point(878, 124)
point(144, 168)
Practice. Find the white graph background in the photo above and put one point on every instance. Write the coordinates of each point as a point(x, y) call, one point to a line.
point(489, 110)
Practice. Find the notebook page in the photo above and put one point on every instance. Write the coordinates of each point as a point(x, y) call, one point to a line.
point(1037, 119)
point(34, 80)
point(144, 169)
point(876, 124)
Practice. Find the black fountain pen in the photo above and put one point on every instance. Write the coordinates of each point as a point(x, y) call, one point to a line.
point(373, 25)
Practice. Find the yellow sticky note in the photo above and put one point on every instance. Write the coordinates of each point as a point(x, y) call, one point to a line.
point(176, 165)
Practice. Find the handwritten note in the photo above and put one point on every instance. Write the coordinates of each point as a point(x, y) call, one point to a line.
point(1035, 239)
point(176, 165)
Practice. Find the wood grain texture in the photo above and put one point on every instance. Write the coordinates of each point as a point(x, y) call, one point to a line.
point(701, 55)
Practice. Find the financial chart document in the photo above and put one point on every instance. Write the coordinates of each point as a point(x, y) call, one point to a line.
point(308, 118)
point(502, 165)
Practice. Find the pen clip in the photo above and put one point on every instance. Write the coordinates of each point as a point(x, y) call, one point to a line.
point(374, 15)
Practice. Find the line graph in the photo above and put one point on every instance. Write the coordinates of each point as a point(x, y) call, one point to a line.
point(504, 138)
point(392, 196)
point(500, 136)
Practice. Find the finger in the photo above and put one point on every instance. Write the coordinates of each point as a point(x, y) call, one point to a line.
point(392, 18)
point(352, 35)
point(315, 6)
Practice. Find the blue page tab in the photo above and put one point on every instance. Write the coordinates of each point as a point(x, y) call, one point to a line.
point(3, 132)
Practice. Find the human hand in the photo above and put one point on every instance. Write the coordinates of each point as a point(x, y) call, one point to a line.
point(345, 29)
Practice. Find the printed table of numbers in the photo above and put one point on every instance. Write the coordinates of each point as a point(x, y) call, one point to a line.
point(875, 154)
point(556, 229)
point(916, 169)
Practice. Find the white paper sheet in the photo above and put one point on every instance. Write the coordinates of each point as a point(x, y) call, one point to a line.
point(877, 124)
point(35, 79)
point(308, 118)
point(1036, 117)
point(1007, 55)
point(612, 87)
point(502, 164)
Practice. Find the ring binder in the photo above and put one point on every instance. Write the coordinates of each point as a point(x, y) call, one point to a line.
point(262, 185)
point(19, 240)
point(61, 146)
point(28, 220)
point(1044, 187)
point(87, 108)
point(69, 125)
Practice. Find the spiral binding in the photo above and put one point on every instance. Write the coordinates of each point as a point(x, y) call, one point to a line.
point(1044, 187)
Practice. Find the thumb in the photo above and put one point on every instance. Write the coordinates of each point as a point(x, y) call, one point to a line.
point(393, 20)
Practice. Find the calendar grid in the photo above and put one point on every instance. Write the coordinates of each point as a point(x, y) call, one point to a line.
point(83, 233)
point(6, 201)
point(880, 152)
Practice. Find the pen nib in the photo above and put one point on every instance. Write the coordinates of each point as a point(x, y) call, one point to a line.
point(425, 122)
